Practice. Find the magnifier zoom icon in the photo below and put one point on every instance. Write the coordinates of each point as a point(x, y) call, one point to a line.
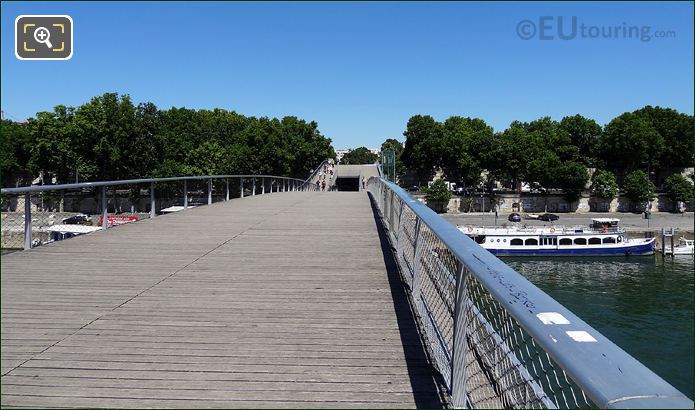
point(42, 35)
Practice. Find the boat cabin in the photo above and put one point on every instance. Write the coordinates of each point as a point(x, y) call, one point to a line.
point(602, 223)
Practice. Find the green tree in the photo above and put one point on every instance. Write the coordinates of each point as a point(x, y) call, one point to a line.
point(15, 153)
point(572, 178)
point(438, 192)
point(583, 133)
point(678, 189)
point(392, 144)
point(676, 130)
point(359, 156)
point(108, 125)
point(605, 185)
point(59, 147)
point(631, 142)
point(459, 157)
point(511, 154)
point(423, 145)
point(638, 188)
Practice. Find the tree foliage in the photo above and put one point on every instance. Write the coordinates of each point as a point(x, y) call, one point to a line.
point(111, 138)
point(423, 145)
point(630, 141)
point(571, 179)
point(676, 131)
point(638, 188)
point(678, 188)
point(547, 154)
point(438, 192)
point(461, 138)
point(359, 156)
point(605, 185)
point(584, 133)
point(14, 153)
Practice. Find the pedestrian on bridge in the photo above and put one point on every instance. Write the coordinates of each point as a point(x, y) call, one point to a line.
point(364, 183)
point(323, 185)
point(318, 185)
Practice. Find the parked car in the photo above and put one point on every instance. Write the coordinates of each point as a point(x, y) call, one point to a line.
point(413, 188)
point(514, 217)
point(548, 217)
point(79, 219)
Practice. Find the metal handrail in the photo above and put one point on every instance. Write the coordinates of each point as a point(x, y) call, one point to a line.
point(288, 184)
point(56, 187)
point(316, 171)
point(605, 373)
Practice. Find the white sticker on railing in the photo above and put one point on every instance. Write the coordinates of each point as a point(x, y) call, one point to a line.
point(552, 318)
point(580, 336)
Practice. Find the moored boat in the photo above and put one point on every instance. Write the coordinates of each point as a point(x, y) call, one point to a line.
point(684, 247)
point(602, 238)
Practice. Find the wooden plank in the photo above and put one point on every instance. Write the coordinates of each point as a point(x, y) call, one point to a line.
point(280, 300)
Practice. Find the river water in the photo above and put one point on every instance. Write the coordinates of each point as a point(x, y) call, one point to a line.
point(643, 304)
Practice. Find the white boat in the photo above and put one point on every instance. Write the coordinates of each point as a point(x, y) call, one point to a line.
point(602, 238)
point(60, 232)
point(684, 247)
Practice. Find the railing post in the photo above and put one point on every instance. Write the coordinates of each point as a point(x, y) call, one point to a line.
point(210, 191)
point(27, 221)
point(262, 185)
point(397, 233)
point(253, 185)
point(417, 248)
point(185, 194)
point(104, 208)
point(153, 211)
point(226, 198)
point(460, 342)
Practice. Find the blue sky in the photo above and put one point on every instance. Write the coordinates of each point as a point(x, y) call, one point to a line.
point(359, 69)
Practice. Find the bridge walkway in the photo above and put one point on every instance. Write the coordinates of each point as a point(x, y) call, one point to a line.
point(280, 300)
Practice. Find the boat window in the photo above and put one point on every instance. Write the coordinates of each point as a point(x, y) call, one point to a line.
point(480, 239)
point(516, 242)
point(594, 241)
point(549, 241)
point(531, 241)
point(609, 239)
point(580, 241)
point(565, 241)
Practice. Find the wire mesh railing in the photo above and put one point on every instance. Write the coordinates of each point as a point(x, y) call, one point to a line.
point(497, 340)
point(37, 215)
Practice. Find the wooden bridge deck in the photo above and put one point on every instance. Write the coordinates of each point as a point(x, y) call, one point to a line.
point(280, 300)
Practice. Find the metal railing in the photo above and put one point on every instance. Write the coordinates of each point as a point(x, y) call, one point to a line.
point(32, 215)
point(314, 174)
point(330, 182)
point(497, 340)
